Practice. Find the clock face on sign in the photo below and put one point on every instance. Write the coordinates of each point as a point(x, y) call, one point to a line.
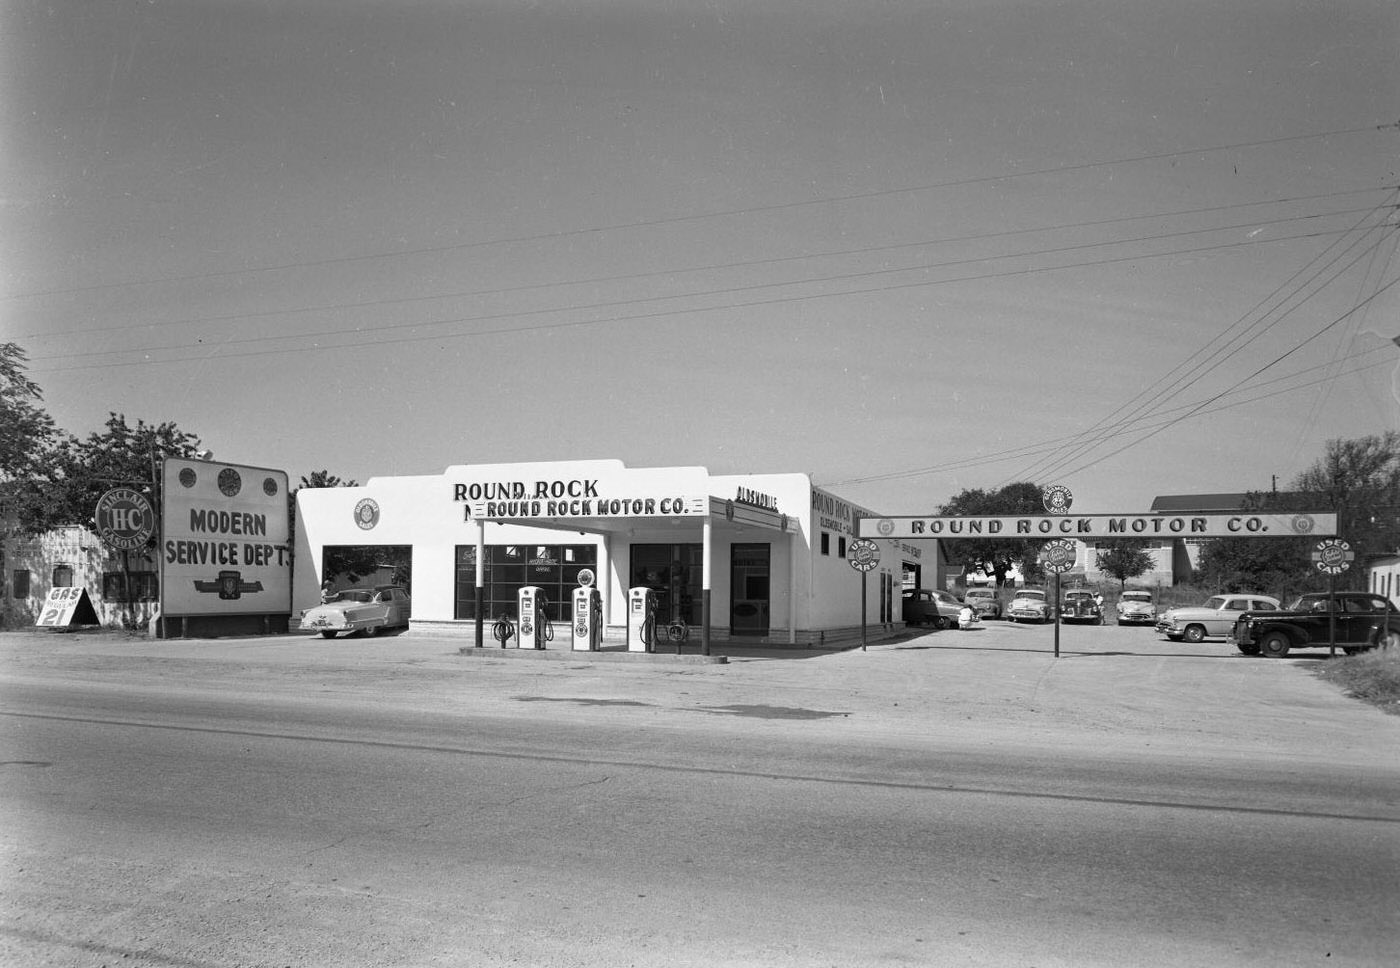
point(230, 482)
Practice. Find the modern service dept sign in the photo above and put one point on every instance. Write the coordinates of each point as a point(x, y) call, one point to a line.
point(225, 545)
point(1094, 526)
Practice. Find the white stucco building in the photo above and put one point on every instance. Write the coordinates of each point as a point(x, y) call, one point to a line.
point(761, 557)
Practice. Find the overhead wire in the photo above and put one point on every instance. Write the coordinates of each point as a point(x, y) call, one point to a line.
point(730, 213)
point(745, 264)
point(1054, 444)
point(672, 312)
point(1155, 395)
point(1195, 411)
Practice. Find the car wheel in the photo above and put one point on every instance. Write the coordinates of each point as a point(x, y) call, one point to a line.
point(372, 631)
point(941, 624)
point(1195, 633)
point(1250, 649)
point(327, 634)
point(1275, 645)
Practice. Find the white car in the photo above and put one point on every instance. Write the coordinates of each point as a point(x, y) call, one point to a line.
point(1029, 605)
point(1216, 617)
point(366, 610)
point(1135, 608)
point(984, 601)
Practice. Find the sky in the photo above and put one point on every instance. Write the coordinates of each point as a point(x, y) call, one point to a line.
point(907, 247)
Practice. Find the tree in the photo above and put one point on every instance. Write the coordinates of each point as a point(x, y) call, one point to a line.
point(26, 429)
point(324, 478)
point(998, 554)
point(1122, 558)
point(79, 471)
point(1357, 479)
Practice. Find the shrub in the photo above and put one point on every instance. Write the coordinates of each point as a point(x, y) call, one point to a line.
point(1373, 677)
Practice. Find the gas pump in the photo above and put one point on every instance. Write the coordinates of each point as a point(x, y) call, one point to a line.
point(535, 629)
point(588, 615)
point(641, 620)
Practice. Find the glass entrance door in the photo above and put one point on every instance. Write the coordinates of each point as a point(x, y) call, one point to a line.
point(748, 589)
point(674, 572)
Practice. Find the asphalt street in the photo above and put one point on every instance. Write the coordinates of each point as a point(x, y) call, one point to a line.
point(951, 798)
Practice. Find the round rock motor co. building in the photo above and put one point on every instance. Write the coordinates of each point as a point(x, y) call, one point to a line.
point(758, 557)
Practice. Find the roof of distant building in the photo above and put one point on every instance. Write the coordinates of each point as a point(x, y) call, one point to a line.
point(1168, 503)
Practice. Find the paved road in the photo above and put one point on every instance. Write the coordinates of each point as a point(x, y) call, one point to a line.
point(956, 798)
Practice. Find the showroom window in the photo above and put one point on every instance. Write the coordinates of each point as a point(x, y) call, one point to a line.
point(508, 568)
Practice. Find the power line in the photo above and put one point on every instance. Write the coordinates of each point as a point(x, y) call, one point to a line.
point(701, 216)
point(732, 290)
point(747, 264)
point(1266, 366)
point(1054, 444)
point(1151, 398)
point(687, 310)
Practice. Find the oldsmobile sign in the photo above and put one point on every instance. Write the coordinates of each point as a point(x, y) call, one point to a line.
point(1094, 526)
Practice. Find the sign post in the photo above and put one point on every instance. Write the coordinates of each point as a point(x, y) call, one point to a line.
point(864, 555)
point(1058, 556)
point(1332, 556)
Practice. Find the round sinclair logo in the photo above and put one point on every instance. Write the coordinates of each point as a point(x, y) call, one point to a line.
point(125, 519)
point(367, 513)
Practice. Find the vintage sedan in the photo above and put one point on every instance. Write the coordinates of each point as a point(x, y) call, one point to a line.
point(1135, 608)
point(1214, 618)
point(1081, 605)
point(923, 606)
point(984, 602)
point(1355, 621)
point(1030, 605)
point(367, 610)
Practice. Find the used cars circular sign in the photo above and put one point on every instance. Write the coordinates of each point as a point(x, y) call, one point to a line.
point(1333, 556)
point(1058, 556)
point(125, 519)
point(864, 554)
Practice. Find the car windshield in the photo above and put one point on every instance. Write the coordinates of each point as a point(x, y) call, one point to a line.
point(979, 593)
point(1079, 595)
point(1137, 596)
point(1309, 603)
point(1030, 593)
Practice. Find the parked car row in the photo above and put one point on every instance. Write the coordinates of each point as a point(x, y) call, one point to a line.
point(942, 609)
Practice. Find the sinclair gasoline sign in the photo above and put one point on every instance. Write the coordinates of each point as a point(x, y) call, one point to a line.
point(124, 519)
point(225, 545)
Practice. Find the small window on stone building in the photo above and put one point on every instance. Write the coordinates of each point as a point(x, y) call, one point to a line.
point(21, 583)
point(826, 542)
point(63, 576)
